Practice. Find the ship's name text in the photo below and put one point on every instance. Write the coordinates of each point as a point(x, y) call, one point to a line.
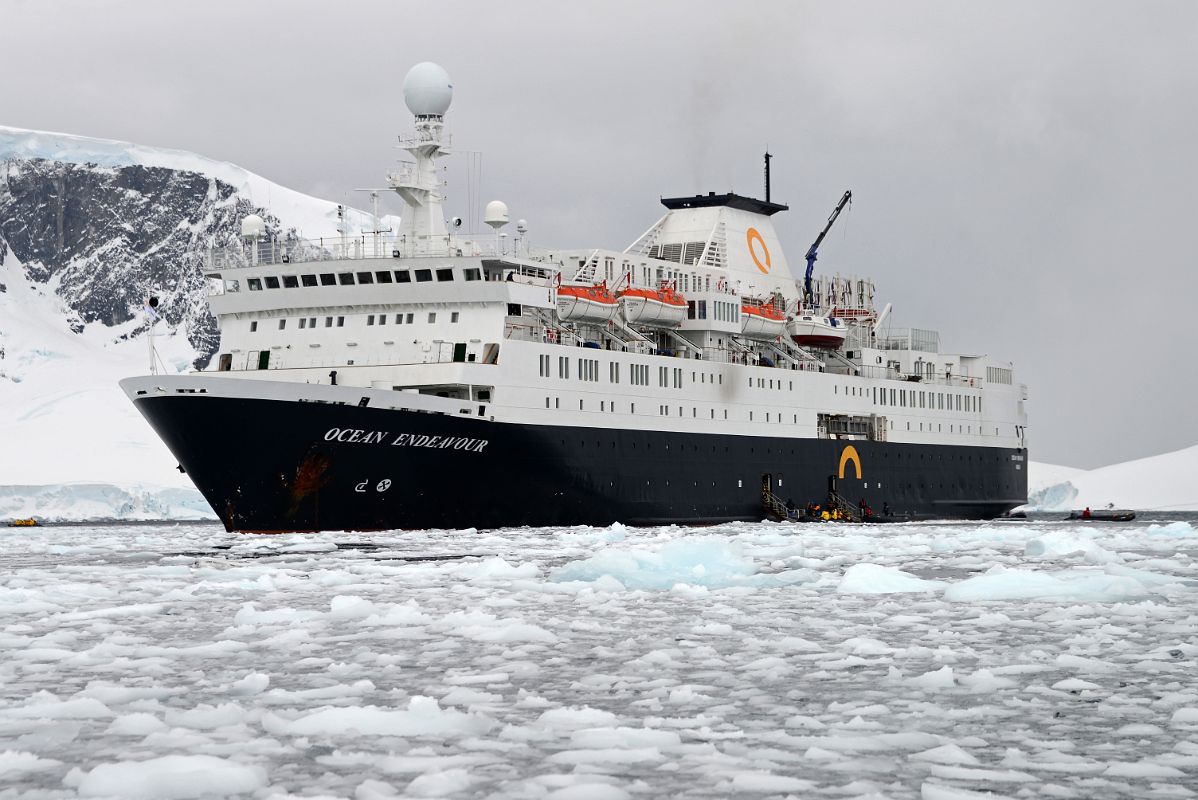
point(357, 436)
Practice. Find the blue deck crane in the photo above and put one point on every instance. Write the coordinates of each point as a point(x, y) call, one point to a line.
point(812, 251)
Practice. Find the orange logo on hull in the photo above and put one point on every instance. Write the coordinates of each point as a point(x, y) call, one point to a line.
point(848, 454)
point(753, 235)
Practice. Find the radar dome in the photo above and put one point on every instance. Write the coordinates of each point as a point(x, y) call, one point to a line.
point(253, 227)
point(427, 91)
point(495, 214)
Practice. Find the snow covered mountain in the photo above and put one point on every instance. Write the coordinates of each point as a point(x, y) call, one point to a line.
point(88, 229)
point(1165, 482)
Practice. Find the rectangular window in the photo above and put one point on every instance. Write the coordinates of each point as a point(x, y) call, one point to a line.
point(403, 276)
point(382, 319)
point(471, 274)
point(282, 324)
point(345, 278)
point(308, 280)
point(399, 319)
point(303, 322)
point(271, 282)
point(445, 274)
point(702, 309)
point(340, 322)
point(255, 284)
point(328, 322)
point(453, 317)
point(253, 326)
point(408, 320)
point(365, 277)
point(383, 276)
point(328, 279)
point(424, 275)
point(370, 319)
point(432, 317)
point(563, 367)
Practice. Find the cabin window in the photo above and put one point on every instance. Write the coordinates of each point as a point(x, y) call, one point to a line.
point(345, 278)
point(271, 282)
point(303, 322)
point(282, 324)
point(403, 276)
point(382, 319)
point(453, 317)
point(383, 276)
point(340, 322)
point(328, 322)
point(290, 282)
point(255, 284)
point(472, 274)
point(408, 321)
point(424, 275)
point(399, 319)
point(432, 317)
point(370, 319)
point(365, 277)
point(328, 279)
point(445, 274)
point(253, 326)
point(308, 280)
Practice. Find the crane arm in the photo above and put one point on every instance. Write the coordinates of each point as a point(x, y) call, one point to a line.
point(812, 252)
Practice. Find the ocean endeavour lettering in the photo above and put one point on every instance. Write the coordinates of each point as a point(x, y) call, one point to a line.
point(357, 436)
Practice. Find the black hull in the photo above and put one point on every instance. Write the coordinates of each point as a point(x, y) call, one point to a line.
point(267, 465)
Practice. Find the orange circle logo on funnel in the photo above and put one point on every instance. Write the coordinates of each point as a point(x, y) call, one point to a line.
point(752, 235)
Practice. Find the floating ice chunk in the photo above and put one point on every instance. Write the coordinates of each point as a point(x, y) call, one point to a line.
point(47, 706)
point(945, 754)
point(496, 569)
point(1186, 716)
point(936, 791)
point(607, 755)
point(1059, 544)
point(876, 579)
point(375, 790)
point(714, 563)
point(1172, 529)
point(253, 683)
point(1018, 584)
point(573, 719)
point(985, 680)
point(351, 607)
point(169, 778)
point(248, 614)
point(1142, 769)
point(766, 782)
point(1139, 729)
point(137, 724)
point(1083, 664)
point(939, 679)
point(509, 632)
point(987, 776)
point(423, 717)
point(15, 763)
point(440, 783)
point(1075, 685)
point(464, 696)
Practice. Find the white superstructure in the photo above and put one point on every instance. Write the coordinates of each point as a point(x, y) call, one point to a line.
point(427, 311)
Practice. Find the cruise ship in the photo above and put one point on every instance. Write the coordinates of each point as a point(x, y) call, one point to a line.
point(429, 377)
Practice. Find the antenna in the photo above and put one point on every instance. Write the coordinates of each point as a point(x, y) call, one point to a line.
point(767, 175)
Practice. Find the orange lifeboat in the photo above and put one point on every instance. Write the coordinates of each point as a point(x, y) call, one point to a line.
point(761, 319)
point(659, 308)
point(590, 303)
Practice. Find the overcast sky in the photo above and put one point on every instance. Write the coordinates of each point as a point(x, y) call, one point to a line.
point(1024, 173)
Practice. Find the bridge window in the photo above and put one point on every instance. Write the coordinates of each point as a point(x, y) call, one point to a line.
point(424, 275)
point(471, 274)
point(365, 277)
point(345, 278)
point(272, 282)
point(445, 274)
point(383, 276)
point(328, 279)
point(403, 276)
point(255, 284)
point(308, 280)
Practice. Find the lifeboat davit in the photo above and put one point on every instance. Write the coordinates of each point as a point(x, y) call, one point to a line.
point(814, 330)
point(761, 320)
point(590, 303)
point(659, 308)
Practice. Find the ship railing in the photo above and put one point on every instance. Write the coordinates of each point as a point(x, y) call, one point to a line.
point(291, 250)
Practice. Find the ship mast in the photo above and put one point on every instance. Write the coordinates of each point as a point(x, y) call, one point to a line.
point(427, 94)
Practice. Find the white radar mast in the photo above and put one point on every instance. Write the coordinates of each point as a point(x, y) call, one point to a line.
point(427, 93)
